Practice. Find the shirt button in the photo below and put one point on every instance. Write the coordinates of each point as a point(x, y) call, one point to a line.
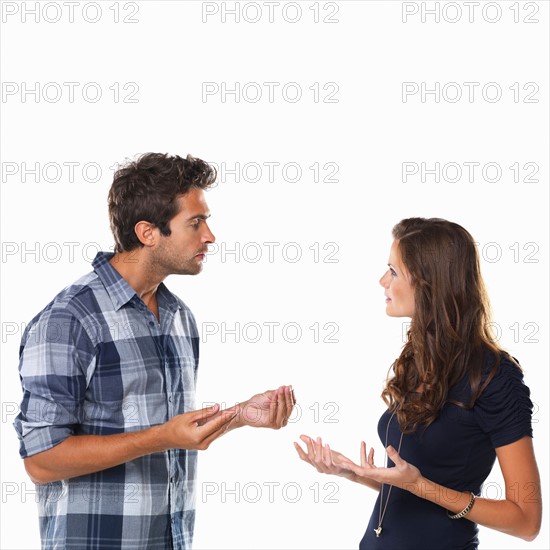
point(151, 324)
point(170, 399)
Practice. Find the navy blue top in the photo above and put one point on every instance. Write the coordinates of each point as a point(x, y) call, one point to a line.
point(457, 451)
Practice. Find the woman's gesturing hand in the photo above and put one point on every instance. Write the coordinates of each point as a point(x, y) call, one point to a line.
point(403, 474)
point(323, 458)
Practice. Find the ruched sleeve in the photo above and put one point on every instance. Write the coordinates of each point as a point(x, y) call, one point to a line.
point(504, 409)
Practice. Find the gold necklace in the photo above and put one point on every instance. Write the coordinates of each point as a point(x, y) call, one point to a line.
point(381, 513)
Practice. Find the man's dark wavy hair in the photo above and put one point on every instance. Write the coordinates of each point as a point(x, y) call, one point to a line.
point(146, 190)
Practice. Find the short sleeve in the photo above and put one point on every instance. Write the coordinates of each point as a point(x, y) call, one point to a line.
point(54, 354)
point(504, 409)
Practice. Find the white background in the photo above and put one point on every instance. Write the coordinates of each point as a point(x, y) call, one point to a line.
point(368, 132)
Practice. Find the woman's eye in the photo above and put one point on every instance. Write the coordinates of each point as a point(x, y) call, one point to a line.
point(393, 273)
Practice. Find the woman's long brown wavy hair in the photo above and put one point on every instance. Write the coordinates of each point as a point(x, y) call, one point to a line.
point(450, 330)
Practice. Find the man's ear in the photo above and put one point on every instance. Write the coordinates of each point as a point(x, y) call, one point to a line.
point(147, 233)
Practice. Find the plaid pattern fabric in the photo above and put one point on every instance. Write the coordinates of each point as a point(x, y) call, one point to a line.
point(96, 361)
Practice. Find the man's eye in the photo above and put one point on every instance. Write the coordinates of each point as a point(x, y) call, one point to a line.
point(195, 224)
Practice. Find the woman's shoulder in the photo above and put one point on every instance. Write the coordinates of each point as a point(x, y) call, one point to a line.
point(494, 378)
point(504, 406)
point(500, 377)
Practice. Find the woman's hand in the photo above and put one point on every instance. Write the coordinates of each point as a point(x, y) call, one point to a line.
point(323, 458)
point(403, 475)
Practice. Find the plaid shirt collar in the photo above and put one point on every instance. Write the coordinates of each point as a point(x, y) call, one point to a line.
point(118, 288)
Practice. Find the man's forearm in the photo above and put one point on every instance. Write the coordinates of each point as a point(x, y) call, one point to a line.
point(85, 454)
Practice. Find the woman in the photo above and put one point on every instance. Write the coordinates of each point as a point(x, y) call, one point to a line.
point(455, 402)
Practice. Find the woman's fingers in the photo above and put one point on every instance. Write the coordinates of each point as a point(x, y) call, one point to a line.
point(327, 459)
point(318, 450)
point(363, 454)
point(318, 455)
point(393, 455)
point(371, 458)
point(301, 453)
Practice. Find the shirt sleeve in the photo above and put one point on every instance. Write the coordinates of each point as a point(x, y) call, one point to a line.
point(504, 409)
point(54, 355)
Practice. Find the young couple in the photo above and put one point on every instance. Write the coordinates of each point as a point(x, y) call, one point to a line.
point(108, 371)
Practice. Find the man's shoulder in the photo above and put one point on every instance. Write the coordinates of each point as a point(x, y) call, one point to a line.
point(77, 299)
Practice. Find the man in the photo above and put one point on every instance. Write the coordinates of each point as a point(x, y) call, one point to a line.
point(107, 425)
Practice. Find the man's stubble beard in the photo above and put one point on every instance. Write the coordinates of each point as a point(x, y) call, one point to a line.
point(164, 263)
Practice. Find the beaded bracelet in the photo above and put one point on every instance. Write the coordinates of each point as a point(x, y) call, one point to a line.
point(465, 511)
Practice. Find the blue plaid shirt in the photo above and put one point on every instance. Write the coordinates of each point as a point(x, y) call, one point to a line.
point(97, 361)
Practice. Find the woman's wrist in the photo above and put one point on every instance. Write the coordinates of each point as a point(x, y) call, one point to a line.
point(416, 487)
point(352, 476)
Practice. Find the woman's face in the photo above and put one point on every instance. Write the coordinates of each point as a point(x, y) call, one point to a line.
point(397, 287)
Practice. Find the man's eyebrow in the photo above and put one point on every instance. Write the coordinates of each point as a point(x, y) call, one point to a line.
point(198, 217)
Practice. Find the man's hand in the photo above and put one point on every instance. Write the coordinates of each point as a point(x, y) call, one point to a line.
point(84, 454)
point(270, 409)
point(197, 429)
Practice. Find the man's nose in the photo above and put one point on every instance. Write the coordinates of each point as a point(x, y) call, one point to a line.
point(209, 237)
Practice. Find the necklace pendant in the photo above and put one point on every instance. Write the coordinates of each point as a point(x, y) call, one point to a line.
point(378, 531)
